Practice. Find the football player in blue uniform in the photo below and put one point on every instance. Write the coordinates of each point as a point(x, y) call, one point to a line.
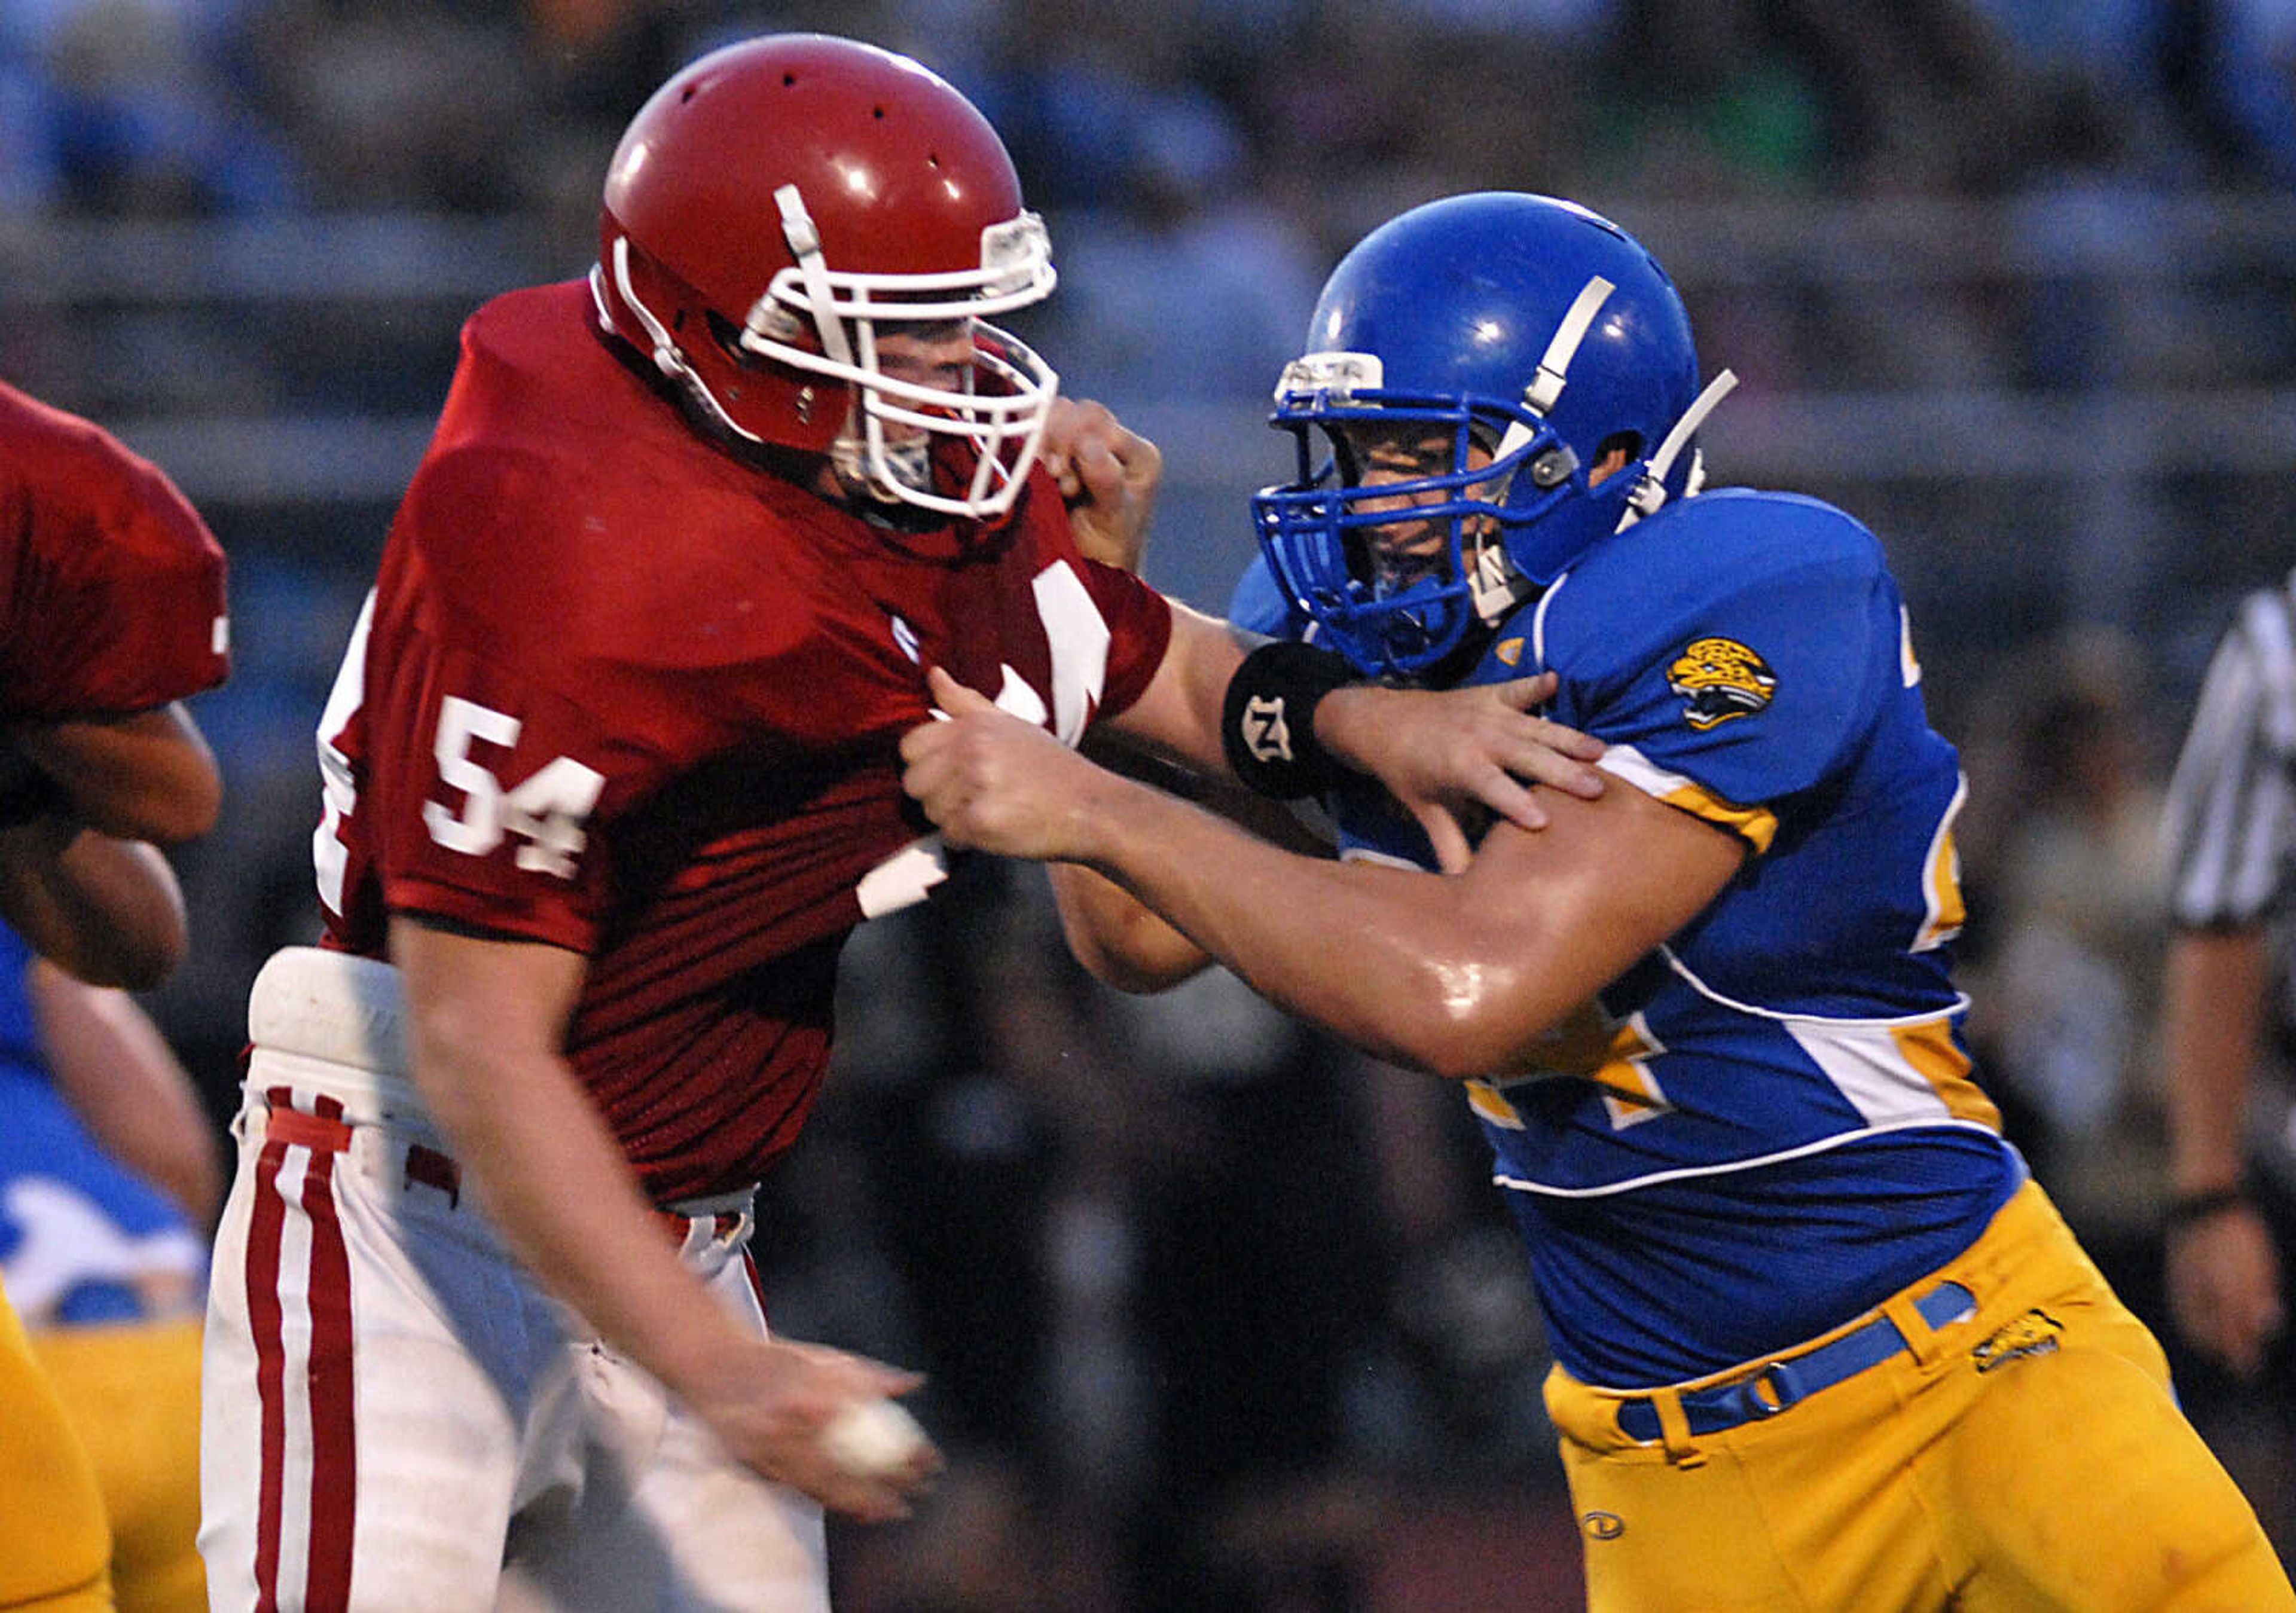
point(1821, 1341)
point(109, 1173)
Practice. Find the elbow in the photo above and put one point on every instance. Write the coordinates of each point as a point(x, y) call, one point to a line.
point(1468, 1018)
point(194, 814)
point(187, 809)
point(1460, 1054)
point(443, 1047)
point(1124, 945)
point(1139, 975)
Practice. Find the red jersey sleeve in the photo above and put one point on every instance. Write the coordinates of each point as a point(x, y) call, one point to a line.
point(114, 587)
point(1140, 630)
point(487, 799)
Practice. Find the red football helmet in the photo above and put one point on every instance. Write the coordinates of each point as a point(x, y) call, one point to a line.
point(778, 200)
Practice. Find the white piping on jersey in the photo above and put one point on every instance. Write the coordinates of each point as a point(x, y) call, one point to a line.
point(1731, 1167)
point(1539, 619)
point(1960, 1004)
point(1935, 931)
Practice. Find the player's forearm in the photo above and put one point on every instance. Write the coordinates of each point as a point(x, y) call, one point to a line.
point(1391, 960)
point(149, 776)
point(116, 1071)
point(558, 1188)
point(2212, 1015)
point(1179, 713)
point(108, 911)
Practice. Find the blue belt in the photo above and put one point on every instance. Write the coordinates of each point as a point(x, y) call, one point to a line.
point(1782, 1383)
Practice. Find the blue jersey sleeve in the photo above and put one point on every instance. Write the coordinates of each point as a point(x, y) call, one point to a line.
point(1260, 606)
point(1733, 653)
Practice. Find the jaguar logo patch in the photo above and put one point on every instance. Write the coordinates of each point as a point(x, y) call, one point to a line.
point(1719, 679)
point(2034, 1333)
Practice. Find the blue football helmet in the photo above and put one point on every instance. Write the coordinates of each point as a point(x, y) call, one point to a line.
point(1534, 333)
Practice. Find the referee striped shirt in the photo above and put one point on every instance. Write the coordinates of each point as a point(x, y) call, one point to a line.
point(2228, 827)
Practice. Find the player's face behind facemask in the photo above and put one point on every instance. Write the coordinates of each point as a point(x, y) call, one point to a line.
point(1526, 324)
point(1406, 539)
point(886, 453)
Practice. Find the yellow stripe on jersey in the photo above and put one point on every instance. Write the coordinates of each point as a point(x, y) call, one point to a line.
point(1929, 1047)
point(1944, 913)
point(1614, 1054)
point(1484, 1099)
point(1757, 826)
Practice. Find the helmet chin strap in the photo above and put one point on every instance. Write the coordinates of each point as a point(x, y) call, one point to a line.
point(1493, 584)
point(1649, 494)
point(667, 356)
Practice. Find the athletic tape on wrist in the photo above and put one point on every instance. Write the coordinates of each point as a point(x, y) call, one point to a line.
point(1268, 721)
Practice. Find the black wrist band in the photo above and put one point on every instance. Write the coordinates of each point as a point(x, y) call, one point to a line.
point(2184, 1208)
point(1267, 722)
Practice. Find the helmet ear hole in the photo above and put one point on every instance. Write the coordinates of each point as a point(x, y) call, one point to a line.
point(1615, 451)
point(728, 335)
point(728, 338)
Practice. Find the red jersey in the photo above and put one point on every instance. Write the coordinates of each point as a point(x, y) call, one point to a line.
point(620, 691)
point(111, 587)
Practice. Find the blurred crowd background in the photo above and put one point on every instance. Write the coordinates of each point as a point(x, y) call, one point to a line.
point(1217, 1315)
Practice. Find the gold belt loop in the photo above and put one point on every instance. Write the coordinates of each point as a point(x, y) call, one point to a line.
point(1674, 1427)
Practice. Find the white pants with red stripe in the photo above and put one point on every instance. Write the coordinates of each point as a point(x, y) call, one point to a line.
point(396, 1419)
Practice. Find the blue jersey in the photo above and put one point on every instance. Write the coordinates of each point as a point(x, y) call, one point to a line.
point(82, 1239)
point(1770, 1124)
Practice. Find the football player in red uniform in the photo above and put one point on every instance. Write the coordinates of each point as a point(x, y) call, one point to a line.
point(611, 771)
point(111, 613)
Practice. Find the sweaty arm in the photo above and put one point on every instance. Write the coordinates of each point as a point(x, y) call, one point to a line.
point(489, 1016)
point(1459, 975)
point(1439, 753)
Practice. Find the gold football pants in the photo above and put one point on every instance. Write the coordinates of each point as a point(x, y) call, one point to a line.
point(2027, 1456)
point(131, 1392)
point(54, 1544)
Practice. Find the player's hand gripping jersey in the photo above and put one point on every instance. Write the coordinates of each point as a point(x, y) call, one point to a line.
point(646, 703)
point(1793, 1058)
